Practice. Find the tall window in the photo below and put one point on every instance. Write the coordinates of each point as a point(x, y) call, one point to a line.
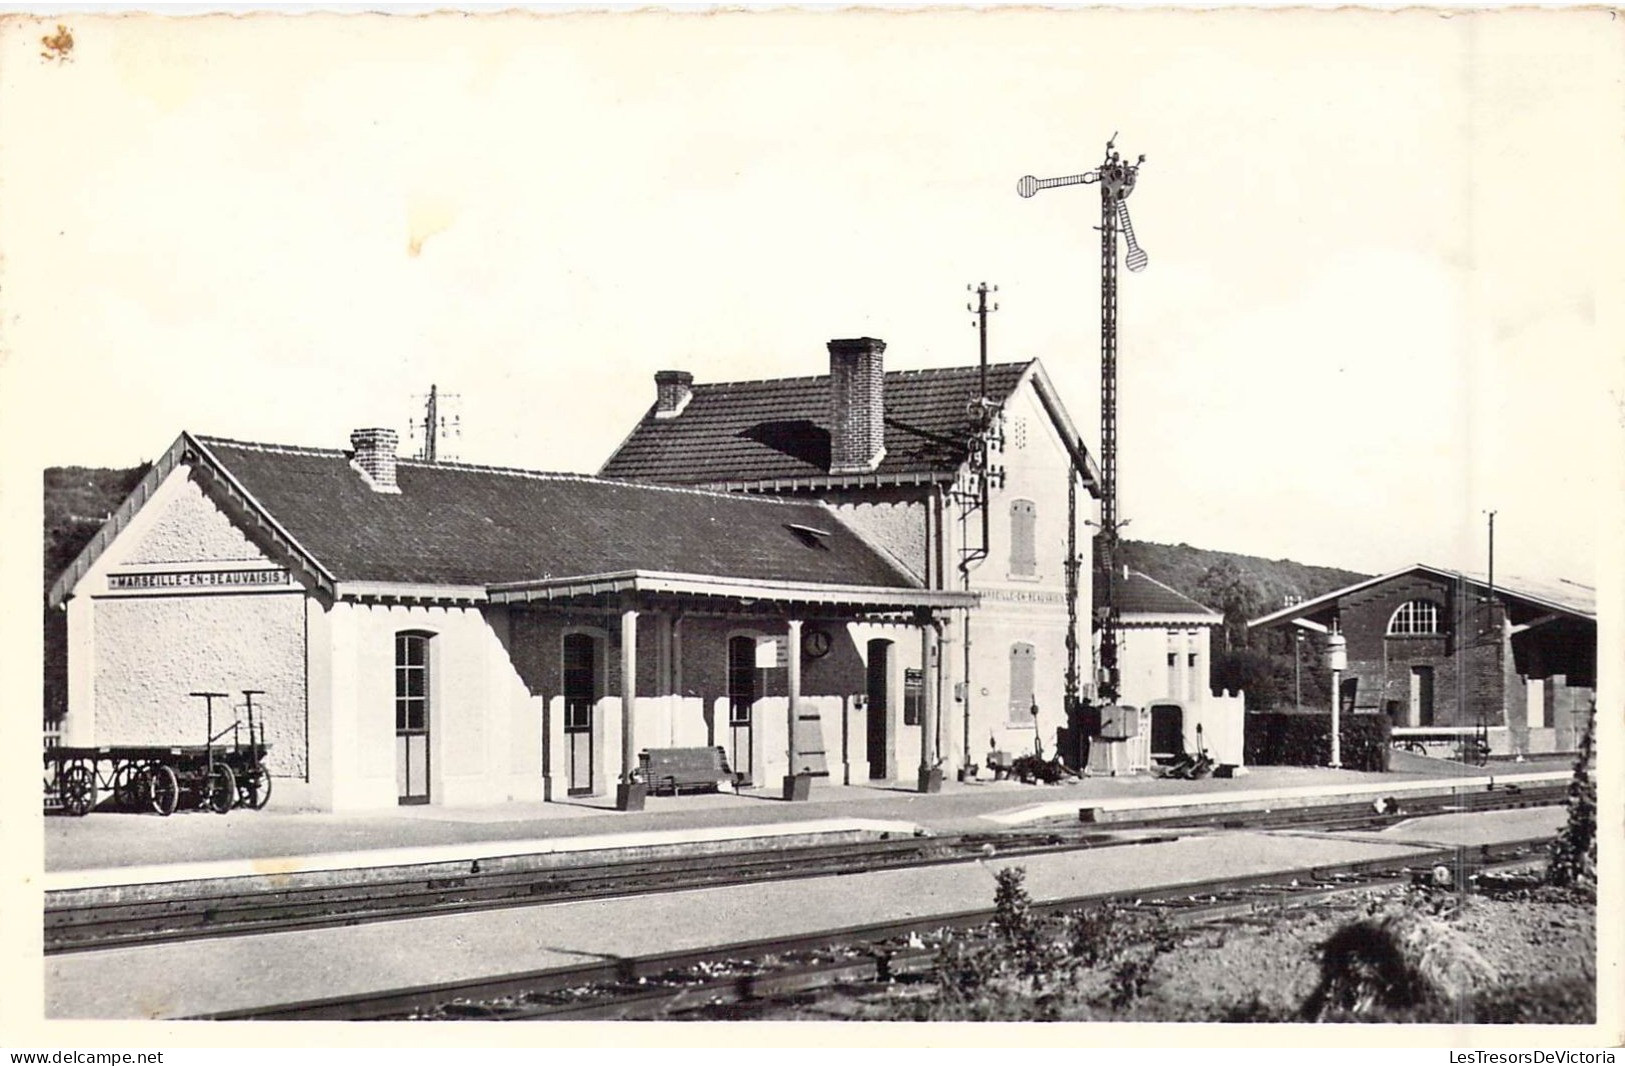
point(1417, 618)
point(741, 679)
point(1023, 554)
point(411, 682)
point(1021, 684)
point(580, 681)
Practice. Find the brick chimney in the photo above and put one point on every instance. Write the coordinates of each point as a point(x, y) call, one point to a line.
point(375, 457)
point(673, 390)
point(857, 405)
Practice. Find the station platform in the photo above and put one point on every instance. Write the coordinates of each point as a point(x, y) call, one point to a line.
point(215, 976)
point(111, 848)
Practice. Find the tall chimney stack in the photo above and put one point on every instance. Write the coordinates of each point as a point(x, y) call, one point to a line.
point(375, 457)
point(857, 405)
point(673, 390)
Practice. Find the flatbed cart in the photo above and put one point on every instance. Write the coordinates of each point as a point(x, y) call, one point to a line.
point(215, 775)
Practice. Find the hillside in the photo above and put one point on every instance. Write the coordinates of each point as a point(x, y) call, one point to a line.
point(1184, 567)
point(78, 500)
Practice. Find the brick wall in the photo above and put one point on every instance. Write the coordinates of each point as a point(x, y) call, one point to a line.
point(1472, 669)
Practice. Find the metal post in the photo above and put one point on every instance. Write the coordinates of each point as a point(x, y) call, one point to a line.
point(1336, 660)
point(796, 784)
point(629, 793)
point(1297, 672)
point(930, 772)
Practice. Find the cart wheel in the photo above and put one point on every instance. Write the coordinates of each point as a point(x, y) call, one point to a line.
point(162, 789)
point(254, 789)
point(222, 795)
point(129, 785)
point(78, 789)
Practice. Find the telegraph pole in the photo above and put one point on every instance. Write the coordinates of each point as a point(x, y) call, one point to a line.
point(985, 438)
point(435, 424)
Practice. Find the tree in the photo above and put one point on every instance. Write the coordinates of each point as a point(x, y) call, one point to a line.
point(1225, 587)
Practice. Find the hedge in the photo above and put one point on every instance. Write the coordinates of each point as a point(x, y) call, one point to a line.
point(1304, 738)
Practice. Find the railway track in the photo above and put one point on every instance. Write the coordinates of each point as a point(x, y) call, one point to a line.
point(1344, 817)
point(220, 910)
point(100, 925)
point(670, 984)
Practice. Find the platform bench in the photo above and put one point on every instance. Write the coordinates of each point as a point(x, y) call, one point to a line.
point(676, 769)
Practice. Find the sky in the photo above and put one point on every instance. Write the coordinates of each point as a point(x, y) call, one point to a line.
point(1381, 244)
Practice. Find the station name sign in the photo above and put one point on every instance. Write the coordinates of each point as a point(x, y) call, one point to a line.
point(193, 579)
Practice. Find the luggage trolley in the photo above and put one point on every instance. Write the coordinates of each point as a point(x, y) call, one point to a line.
point(213, 776)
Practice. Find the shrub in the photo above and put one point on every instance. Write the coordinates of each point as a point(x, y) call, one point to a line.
point(1304, 738)
point(1573, 861)
point(1025, 967)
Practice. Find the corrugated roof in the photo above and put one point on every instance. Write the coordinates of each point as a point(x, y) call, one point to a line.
point(778, 429)
point(453, 524)
point(1560, 594)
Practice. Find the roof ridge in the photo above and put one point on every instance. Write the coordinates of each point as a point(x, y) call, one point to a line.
point(909, 372)
point(1176, 592)
point(510, 471)
point(267, 446)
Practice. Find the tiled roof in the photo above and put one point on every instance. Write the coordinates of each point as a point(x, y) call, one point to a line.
point(747, 431)
point(1140, 594)
point(463, 525)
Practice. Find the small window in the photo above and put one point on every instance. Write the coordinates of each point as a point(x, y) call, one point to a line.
point(913, 694)
point(1418, 618)
point(1021, 685)
point(1023, 554)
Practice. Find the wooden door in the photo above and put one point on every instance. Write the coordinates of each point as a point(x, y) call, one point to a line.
point(879, 672)
point(580, 702)
point(743, 689)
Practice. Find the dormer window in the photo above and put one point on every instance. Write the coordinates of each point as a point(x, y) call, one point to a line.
point(1418, 618)
point(811, 536)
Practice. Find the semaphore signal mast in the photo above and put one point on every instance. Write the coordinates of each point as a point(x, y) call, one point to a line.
point(1116, 179)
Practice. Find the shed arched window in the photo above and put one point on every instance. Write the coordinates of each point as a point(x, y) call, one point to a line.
point(1418, 618)
point(1023, 553)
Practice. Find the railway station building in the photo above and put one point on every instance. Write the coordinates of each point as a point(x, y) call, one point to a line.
point(442, 633)
point(968, 478)
point(1444, 653)
point(894, 561)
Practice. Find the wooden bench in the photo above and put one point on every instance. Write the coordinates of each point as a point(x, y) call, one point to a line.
point(677, 769)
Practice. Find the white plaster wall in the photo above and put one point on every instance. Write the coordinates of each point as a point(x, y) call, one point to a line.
point(151, 651)
point(994, 629)
point(181, 524)
point(1016, 609)
point(483, 747)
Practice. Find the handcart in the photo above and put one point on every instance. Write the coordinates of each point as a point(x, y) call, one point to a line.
point(213, 776)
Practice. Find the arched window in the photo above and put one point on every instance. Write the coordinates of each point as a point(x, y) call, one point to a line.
point(1418, 618)
point(1023, 554)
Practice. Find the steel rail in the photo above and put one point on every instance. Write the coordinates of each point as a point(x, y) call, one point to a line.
point(417, 999)
point(98, 926)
